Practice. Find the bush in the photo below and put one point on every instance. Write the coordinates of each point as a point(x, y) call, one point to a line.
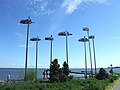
point(31, 75)
point(116, 76)
point(102, 74)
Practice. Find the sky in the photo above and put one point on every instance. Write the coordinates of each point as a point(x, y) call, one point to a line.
point(102, 17)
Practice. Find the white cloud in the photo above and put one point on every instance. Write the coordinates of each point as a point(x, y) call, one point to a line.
point(16, 65)
point(39, 7)
point(22, 46)
point(19, 34)
point(71, 5)
point(31, 44)
point(99, 1)
point(109, 38)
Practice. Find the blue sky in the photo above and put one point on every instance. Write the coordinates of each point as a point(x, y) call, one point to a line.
point(102, 17)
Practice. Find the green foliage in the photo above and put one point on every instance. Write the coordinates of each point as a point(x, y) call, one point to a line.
point(102, 74)
point(54, 71)
point(74, 84)
point(65, 69)
point(58, 74)
point(113, 76)
point(19, 86)
point(31, 75)
point(116, 76)
point(64, 73)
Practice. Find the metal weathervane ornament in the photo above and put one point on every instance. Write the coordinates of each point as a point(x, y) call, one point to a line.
point(28, 22)
point(50, 39)
point(87, 30)
point(84, 40)
point(36, 40)
point(66, 34)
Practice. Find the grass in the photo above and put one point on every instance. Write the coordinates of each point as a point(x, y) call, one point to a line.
point(78, 84)
point(111, 85)
point(73, 84)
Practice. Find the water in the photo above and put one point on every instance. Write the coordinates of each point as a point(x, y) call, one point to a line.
point(18, 73)
point(15, 73)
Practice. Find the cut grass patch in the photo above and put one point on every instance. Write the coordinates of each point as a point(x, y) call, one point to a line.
point(111, 85)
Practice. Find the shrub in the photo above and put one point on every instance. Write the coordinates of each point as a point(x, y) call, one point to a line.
point(31, 75)
point(102, 74)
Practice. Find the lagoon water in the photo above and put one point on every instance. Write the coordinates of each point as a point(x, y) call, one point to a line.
point(18, 73)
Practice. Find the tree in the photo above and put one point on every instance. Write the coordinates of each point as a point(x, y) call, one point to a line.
point(64, 72)
point(65, 69)
point(58, 74)
point(54, 71)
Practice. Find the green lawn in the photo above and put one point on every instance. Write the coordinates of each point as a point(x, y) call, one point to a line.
point(111, 85)
point(75, 84)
